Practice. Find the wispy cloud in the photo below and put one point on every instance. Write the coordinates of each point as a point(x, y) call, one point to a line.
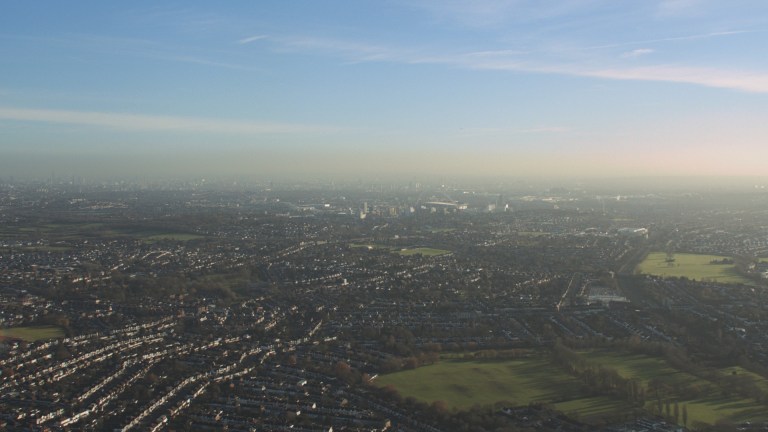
point(205, 62)
point(519, 61)
point(140, 122)
point(477, 13)
point(675, 38)
point(494, 13)
point(350, 50)
point(754, 82)
point(141, 48)
point(251, 39)
point(515, 131)
point(495, 53)
point(678, 7)
point(638, 52)
point(747, 81)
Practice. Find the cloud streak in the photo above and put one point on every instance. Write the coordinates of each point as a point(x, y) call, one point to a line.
point(248, 40)
point(494, 13)
point(520, 61)
point(676, 39)
point(678, 7)
point(753, 82)
point(513, 131)
point(139, 122)
point(638, 52)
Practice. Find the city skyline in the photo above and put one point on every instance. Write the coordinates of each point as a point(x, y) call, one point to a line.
point(482, 88)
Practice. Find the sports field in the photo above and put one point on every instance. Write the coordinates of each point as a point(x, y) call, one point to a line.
point(691, 266)
point(532, 233)
point(369, 246)
point(57, 232)
point(31, 334)
point(712, 406)
point(423, 251)
point(172, 236)
point(463, 384)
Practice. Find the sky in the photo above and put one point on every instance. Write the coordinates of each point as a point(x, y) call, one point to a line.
point(585, 88)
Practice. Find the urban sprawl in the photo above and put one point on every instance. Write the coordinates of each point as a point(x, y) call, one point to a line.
point(411, 307)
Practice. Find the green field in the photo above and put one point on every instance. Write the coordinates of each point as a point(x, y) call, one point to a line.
point(640, 367)
point(44, 248)
point(172, 236)
point(463, 384)
point(423, 251)
point(31, 334)
point(78, 231)
point(587, 408)
point(711, 407)
point(761, 382)
point(369, 246)
point(532, 233)
point(441, 230)
point(691, 266)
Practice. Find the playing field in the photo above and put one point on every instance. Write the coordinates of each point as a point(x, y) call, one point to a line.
point(172, 236)
point(31, 334)
point(532, 233)
point(423, 251)
point(56, 232)
point(691, 266)
point(713, 406)
point(369, 246)
point(463, 384)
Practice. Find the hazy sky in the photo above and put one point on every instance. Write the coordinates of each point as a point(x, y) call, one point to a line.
point(405, 87)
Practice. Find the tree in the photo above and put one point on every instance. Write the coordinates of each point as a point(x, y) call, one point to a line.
point(411, 363)
point(62, 353)
point(440, 406)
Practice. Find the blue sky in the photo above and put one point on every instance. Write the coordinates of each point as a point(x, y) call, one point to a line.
point(448, 87)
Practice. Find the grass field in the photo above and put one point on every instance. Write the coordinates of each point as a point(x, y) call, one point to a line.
point(172, 236)
point(713, 406)
point(79, 231)
point(462, 384)
point(403, 251)
point(691, 266)
point(369, 246)
point(587, 408)
point(31, 334)
point(532, 233)
point(423, 251)
point(761, 382)
point(44, 248)
point(438, 230)
point(640, 367)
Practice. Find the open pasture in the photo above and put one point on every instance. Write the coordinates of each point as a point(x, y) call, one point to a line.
point(425, 251)
point(32, 334)
point(463, 384)
point(692, 266)
point(712, 405)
